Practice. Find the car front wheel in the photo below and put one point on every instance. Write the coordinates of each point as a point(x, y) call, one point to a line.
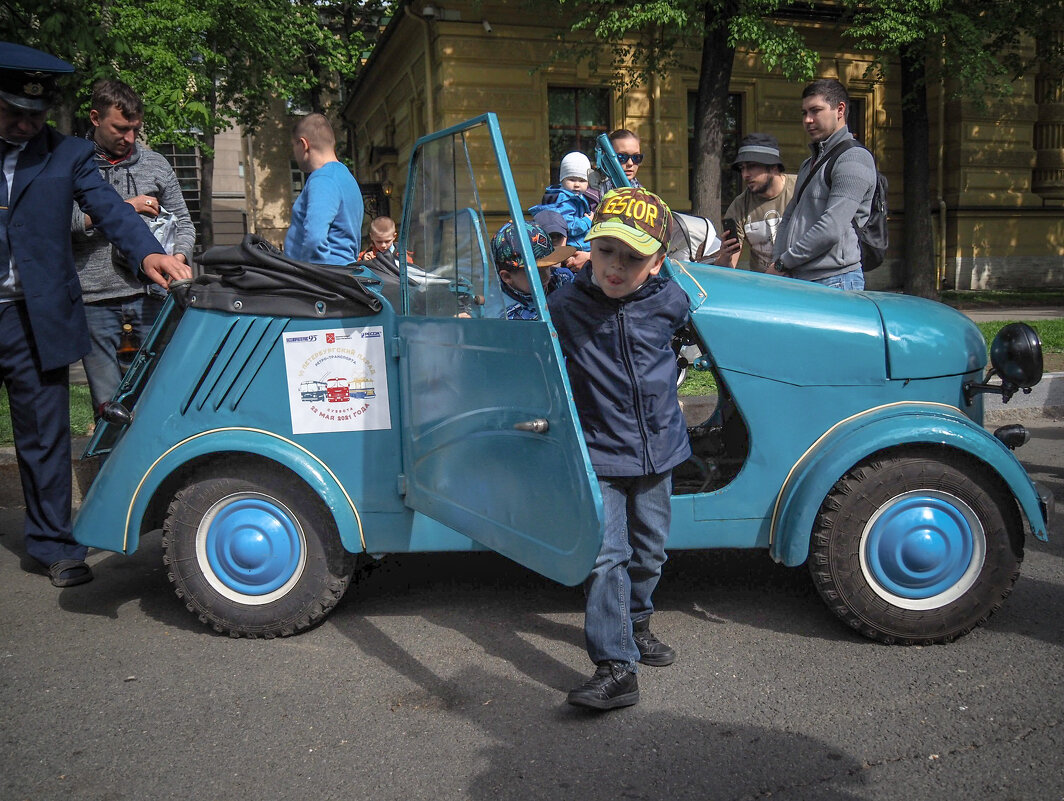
point(916, 549)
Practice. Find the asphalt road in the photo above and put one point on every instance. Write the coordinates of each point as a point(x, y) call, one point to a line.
point(443, 677)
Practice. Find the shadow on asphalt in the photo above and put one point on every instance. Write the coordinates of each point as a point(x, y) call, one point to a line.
point(1034, 609)
point(119, 579)
point(500, 605)
point(622, 754)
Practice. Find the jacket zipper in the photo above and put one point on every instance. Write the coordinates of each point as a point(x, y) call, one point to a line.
point(635, 389)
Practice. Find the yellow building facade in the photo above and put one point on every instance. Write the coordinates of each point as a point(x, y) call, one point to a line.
point(997, 173)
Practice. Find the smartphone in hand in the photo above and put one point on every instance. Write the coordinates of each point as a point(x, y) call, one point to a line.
point(729, 227)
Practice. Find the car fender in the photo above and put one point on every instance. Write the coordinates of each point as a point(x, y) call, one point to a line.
point(859, 436)
point(267, 444)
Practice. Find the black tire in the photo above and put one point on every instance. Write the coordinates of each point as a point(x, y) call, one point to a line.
point(254, 557)
point(916, 548)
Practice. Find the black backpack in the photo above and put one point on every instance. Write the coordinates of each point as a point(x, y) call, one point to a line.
point(872, 236)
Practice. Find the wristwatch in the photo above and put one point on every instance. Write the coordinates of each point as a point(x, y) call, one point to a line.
point(779, 267)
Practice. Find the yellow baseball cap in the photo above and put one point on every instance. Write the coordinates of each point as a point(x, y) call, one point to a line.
point(635, 216)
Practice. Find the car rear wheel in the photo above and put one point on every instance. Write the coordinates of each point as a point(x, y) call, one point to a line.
point(916, 549)
point(254, 557)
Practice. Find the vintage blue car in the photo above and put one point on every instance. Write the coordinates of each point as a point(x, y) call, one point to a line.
point(848, 432)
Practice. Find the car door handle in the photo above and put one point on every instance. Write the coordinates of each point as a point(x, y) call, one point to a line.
point(537, 426)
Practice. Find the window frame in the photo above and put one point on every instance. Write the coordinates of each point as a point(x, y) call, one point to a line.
point(585, 143)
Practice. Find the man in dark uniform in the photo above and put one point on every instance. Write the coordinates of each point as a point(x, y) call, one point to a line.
point(42, 320)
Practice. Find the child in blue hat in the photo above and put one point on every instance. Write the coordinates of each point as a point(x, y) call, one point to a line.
point(512, 273)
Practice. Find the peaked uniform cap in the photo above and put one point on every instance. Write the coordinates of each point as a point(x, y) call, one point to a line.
point(28, 76)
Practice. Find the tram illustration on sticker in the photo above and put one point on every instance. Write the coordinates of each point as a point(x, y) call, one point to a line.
point(337, 380)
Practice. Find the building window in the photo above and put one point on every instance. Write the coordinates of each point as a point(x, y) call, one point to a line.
point(186, 164)
point(576, 117)
point(855, 117)
point(730, 184)
point(297, 178)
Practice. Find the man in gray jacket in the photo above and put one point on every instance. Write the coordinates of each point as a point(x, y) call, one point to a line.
point(816, 240)
point(146, 181)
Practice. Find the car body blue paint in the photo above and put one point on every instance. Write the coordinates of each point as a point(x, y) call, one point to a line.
point(926, 339)
point(117, 526)
point(820, 379)
point(877, 430)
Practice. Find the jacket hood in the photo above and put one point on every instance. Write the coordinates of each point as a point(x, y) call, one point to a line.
point(555, 192)
point(104, 164)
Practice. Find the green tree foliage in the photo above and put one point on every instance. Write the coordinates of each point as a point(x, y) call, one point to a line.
point(976, 48)
point(648, 38)
point(200, 65)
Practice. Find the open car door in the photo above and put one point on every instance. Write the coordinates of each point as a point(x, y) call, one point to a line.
point(491, 443)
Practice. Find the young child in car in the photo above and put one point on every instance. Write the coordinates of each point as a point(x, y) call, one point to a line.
point(513, 276)
point(615, 323)
point(382, 238)
point(569, 199)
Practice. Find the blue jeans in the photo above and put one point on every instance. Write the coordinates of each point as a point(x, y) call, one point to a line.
point(853, 280)
point(105, 320)
point(619, 589)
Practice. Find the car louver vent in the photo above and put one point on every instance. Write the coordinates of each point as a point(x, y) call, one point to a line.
point(232, 364)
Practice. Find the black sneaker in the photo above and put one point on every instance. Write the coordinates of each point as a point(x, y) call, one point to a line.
point(612, 686)
point(652, 651)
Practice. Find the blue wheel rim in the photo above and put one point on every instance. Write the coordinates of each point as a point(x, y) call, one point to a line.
point(251, 548)
point(923, 549)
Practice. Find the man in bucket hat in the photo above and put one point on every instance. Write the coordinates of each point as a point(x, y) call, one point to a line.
point(757, 212)
point(42, 319)
point(615, 323)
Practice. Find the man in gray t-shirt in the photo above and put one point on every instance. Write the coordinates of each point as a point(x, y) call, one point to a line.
point(757, 212)
point(816, 240)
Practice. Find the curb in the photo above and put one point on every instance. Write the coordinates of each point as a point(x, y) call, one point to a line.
point(1044, 402)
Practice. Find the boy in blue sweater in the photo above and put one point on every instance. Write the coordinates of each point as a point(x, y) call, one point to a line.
point(615, 323)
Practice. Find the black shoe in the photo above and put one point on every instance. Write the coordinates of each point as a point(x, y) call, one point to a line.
point(652, 651)
point(612, 686)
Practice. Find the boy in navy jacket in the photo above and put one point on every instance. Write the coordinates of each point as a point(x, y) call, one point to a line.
point(615, 323)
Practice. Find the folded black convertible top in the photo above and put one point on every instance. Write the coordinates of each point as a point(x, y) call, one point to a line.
point(254, 277)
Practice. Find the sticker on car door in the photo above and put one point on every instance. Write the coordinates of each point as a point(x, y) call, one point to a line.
point(337, 380)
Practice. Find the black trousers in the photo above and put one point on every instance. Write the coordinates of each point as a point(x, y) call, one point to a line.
point(40, 421)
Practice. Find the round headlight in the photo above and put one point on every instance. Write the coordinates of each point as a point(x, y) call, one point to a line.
point(1016, 355)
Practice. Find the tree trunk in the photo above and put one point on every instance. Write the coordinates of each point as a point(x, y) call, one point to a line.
point(711, 110)
point(919, 253)
point(206, 238)
point(207, 192)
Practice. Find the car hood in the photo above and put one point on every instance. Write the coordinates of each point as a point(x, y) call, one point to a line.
point(926, 339)
point(805, 334)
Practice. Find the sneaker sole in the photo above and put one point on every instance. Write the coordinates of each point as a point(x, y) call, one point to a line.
point(628, 699)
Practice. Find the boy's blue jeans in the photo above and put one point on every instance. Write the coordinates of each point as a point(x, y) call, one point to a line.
point(619, 589)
